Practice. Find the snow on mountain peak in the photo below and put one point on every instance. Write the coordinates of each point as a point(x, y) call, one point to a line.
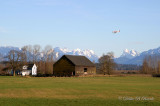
point(77, 50)
point(58, 52)
point(91, 51)
point(88, 53)
point(134, 53)
point(65, 50)
point(126, 50)
point(129, 54)
point(133, 57)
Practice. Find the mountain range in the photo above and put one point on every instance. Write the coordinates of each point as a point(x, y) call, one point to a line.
point(127, 57)
point(4, 50)
point(133, 57)
point(58, 52)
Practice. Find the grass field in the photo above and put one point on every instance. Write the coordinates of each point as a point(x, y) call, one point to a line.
point(120, 91)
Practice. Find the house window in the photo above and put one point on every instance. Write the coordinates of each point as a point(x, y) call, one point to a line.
point(85, 69)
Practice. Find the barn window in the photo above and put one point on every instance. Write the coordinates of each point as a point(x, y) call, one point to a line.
point(85, 69)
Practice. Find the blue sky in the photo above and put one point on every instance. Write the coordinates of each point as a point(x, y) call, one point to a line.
point(84, 24)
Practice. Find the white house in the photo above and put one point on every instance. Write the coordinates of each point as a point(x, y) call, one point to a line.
point(30, 69)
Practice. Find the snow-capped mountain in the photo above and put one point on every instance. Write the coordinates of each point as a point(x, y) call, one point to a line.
point(133, 57)
point(151, 51)
point(129, 54)
point(126, 56)
point(4, 50)
point(139, 59)
point(59, 52)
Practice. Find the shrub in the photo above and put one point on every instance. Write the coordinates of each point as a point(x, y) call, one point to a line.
point(155, 75)
point(44, 75)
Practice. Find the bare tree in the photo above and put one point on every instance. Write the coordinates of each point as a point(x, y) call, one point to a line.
point(107, 63)
point(14, 58)
point(145, 67)
point(1, 57)
point(46, 63)
point(151, 64)
point(30, 53)
point(24, 54)
point(36, 53)
point(48, 58)
point(1, 67)
point(158, 69)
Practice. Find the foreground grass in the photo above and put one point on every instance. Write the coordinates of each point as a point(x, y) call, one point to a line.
point(73, 102)
point(80, 91)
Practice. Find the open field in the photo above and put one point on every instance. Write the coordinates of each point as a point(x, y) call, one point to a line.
point(126, 90)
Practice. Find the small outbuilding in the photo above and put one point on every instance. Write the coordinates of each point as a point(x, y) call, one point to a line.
point(71, 65)
point(30, 69)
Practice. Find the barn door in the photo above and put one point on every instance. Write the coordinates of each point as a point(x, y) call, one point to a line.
point(73, 73)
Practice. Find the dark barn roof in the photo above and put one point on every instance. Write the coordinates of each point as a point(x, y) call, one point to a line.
point(79, 60)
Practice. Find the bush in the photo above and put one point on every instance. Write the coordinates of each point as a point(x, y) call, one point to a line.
point(133, 72)
point(155, 75)
point(44, 75)
point(129, 72)
point(6, 75)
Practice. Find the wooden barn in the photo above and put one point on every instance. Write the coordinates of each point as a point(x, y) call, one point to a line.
point(71, 65)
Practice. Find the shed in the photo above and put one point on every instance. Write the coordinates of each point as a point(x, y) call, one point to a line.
point(71, 65)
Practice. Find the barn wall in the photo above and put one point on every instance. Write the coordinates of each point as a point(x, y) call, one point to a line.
point(63, 68)
point(79, 70)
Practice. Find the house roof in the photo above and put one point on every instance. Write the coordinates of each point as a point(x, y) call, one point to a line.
point(79, 60)
point(30, 65)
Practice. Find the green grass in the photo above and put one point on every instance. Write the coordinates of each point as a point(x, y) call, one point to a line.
point(80, 91)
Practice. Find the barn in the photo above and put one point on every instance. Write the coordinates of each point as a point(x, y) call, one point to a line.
point(71, 65)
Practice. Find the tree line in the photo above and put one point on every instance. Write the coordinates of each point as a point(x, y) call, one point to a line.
point(151, 65)
point(127, 67)
point(43, 58)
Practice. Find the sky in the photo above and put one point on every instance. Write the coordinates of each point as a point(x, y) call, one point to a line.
point(84, 24)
